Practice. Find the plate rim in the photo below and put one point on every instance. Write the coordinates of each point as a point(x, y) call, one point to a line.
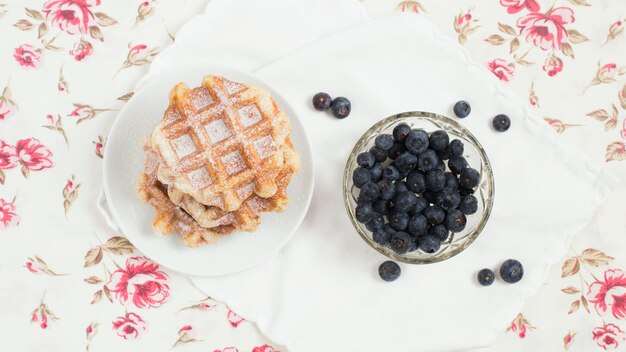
point(220, 70)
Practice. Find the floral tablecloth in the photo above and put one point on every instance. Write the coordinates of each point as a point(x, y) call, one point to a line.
point(68, 282)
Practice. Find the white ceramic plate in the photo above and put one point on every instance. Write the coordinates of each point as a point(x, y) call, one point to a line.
point(123, 162)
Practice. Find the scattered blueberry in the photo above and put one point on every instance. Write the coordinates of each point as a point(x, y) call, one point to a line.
point(434, 214)
point(428, 160)
point(417, 141)
point(396, 149)
point(381, 237)
point(321, 101)
point(387, 189)
point(429, 243)
point(418, 225)
point(439, 140)
point(369, 192)
point(400, 132)
point(405, 162)
point(402, 242)
point(404, 201)
point(469, 178)
point(364, 212)
point(456, 147)
point(511, 271)
point(486, 277)
point(361, 176)
point(456, 164)
point(390, 173)
point(435, 180)
point(366, 159)
point(469, 204)
point(439, 231)
point(379, 155)
point(383, 141)
point(455, 220)
point(376, 172)
point(416, 182)
point(399, 220)
point(451, 180)
point(389, 271)
point(501, 123)
point(340, 107)
point(462, 109)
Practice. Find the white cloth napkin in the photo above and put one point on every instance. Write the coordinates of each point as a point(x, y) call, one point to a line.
point(321, 292)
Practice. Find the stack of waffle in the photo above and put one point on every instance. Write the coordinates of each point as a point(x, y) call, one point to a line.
point(221, 155)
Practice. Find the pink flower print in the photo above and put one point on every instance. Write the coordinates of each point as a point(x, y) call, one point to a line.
point(8, 156)
point(546, 31)
point(71, 16)
point(6, 109)
point(227, 349)
point(410, 6)
point(553, 65)
point(608, 336)
point(8, 217)
point(515, 6)
point(27, 56)
point(264, 348)
point(33, 155)
point(141, 281)
point(130, 326)
point(502, 69)
point(81, 50)
point(234, 319)
point(623, 132)
point(568, 340)
point(42, 315)
point(610, 294)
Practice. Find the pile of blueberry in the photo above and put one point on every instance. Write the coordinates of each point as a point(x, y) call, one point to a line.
point(415, 189)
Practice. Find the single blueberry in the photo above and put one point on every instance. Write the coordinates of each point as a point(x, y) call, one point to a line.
point(430, 196)
point(486, 277)
point(435, 180)
point(389, 271)
point(501, 123)
point(364, 212)
point(417, 141)
point(340, 107)
point(462, 109)
point(401, 242)
point(384, 141)
point(387, 189)
point(379, 155)
point(380, 206)
point(401, 131)
point(418, 225)
point(366, 159)
point(416, 182)
point(420, 204)
point(456, 147)
point(438, 140)
point(428, 160)
point(361, 176)
point(381, 237)
point(456, 164)
point(451, 199)
point(390, 173)
point(441, 166)
point(451, 180)
point(434, 214)
point(376, 172)
point(429, 243)
point(455, 220)
point(405, 201)
point(396, 149)
point(401, 187)
point(465, 191)
point(445, 154)
point(511, 271)
point(469, 178)
point(405, 162)
point(369, 193)
point(375, 223)
point(439, 231)
point(469, 204)
point(399, 220)
point(321, 101)
point(389, 230)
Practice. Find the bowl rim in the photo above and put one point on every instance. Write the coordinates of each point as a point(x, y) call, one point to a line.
point(469, 238)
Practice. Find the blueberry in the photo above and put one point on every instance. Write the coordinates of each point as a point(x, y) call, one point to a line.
point(462, 108)
point(402, 242)
point(439, 231)
point(429, 243)
point(381, 237)
point(405, 162)
point(430, 196)
point(404, 201)
point(434, 214)
point(396, 150)
point(387, 189)
point(486, 277)
point(511, 271)
point(403, 175)
point(379, 155)
point(383, 141)
point(376, 172)
point(416, 182)
point(399, 220)
point(341, 107)
point(428, 160)
point(369, 193)
point(455, 220)
point(401, 131)
point(366, 159)
point(456, 147)
point(380, 206)
point(469, 178)
point(444, 154)
point(401, 187)
point(361, 176)
point(418, 225)
point(375, 224)
point(441, 166)
point(451, 180)
point(420, 204)
point(364, 212)
point(501, 123)
point(389, 271)
point(456, 164)
point(465, 191)
point(390, 173)
point(389, 230)
point(451, 199)
point(416, 142)
point(435, 180)
point(468, 205)
point(321, 101)
point(438, 140)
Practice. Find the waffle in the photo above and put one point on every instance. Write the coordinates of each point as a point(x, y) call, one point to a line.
point(247, 217)
point(216, 139)
point(169, 217)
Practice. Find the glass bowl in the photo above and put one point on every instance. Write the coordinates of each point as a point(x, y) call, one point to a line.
point(476, 158)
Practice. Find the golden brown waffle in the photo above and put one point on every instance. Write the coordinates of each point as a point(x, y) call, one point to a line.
point(219, 138)
point(247, 217)
point(170, 218)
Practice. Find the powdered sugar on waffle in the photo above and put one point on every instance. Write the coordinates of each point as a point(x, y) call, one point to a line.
point(265, 146)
